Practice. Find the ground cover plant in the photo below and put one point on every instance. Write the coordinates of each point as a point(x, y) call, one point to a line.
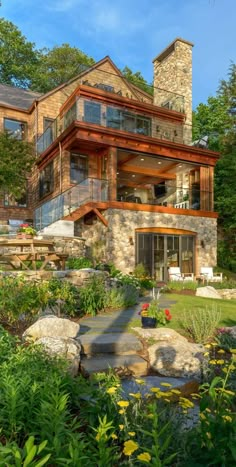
point(49, 418)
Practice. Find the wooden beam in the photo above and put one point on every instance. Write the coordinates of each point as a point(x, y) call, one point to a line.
point(100, 216)
point(145, 171)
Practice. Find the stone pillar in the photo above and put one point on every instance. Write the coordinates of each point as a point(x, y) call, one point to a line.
point(173, 77)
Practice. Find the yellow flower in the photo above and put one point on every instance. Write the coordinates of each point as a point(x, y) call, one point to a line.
point(206, 354)
point(208, 435)
point(122, 411)
point(208, 410)
point(202, 416)
point(131, 433)
point(232, 350)
point(111, 390)
point(123, 403)
point(175, 391)
point(139, 381)
point(145, 457)
point(121, 427)
point(129, 447)
point(220, 351)
point(155, 389)
point(167, 400)
point(114, 436)
point(214, 344)
point(212, 362)
point(227, 418)
point(220, 362)
point(167, 385)
point(208, 346)
point(136, 395)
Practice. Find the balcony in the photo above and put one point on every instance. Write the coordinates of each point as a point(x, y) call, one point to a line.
point(153, 121)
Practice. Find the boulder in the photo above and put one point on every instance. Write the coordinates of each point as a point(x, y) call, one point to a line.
point(160, 334)
point(52, 326)
point(79, 277)
point(207, 292)
point(227, 294)
point(65, 348)
point(177, 359)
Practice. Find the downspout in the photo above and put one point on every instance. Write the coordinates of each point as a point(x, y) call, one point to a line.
point(60, 166)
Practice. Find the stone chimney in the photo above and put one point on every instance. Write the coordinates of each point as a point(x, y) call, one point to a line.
point(173, 75)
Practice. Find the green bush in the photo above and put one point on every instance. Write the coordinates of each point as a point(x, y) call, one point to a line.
point(92, 296)
point(201, 323)
point(180, 285)
point(79, 263)
point(122, 297)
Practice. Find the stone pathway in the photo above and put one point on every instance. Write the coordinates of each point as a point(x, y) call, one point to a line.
point(107, 342)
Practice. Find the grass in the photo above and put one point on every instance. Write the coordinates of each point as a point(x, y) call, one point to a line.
point(185, 303)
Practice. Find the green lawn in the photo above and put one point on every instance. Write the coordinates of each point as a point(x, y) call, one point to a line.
point(187, 303)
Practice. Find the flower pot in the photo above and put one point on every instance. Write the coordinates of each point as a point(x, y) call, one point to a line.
point(24, 235)
point(148, 322)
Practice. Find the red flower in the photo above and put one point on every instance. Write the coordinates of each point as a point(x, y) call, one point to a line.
point(168, 318)
point(145, 306)
point(167, 312)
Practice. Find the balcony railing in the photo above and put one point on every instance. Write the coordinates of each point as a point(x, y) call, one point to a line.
point(90, 189)
point(93, 189)
point(165, 195)
point(112, 116)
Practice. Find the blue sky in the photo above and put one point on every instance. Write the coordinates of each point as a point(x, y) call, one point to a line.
point(133, 32)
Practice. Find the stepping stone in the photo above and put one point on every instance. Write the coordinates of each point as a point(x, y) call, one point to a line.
point(133, 363)
point(118, 343)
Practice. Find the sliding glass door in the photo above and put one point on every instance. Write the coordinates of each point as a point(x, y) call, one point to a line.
point(158, 252)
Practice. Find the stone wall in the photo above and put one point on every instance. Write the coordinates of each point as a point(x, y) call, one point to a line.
point(173, 72)
point(117, 242)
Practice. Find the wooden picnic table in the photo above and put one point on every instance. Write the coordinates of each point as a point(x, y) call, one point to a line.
point(31, 250)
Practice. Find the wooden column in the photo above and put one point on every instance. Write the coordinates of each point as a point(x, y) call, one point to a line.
point(206, 188)
point(112, 169)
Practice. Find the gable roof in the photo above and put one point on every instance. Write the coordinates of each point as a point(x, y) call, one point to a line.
point(17, 97)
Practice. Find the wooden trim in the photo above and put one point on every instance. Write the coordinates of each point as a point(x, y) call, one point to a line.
point(150, 208)
point(165, 230)
point(100, 216)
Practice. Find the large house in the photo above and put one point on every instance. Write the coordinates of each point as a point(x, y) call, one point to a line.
point(117, 166)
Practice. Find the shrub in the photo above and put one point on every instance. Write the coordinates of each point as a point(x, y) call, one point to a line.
point(79, 263)
point(121, 297)
point(201, 323)
point(225, 339)
point(92, 296)
point(181, 285)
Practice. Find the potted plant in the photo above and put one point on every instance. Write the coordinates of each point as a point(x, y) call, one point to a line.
point(26, 231)
point(152, 315)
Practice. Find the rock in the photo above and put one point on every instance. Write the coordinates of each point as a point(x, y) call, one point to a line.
point(118, 343)
point(207, 292)
point(65, 348)
point(227, 294)
point(51, 326)
point(160, 334)
point(132, 364)
point(79, 277)
point(177, 359)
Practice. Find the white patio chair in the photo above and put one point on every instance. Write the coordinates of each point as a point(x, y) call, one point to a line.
point(210, 276)
point(176, 275)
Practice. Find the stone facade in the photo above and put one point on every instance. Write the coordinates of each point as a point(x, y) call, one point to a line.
point(173, 71)
point(117, 242)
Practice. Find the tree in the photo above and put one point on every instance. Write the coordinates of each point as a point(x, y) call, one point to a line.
point(58, 65)
point(18, 59)
point(16, 160)
point(217, 119)
point(137, 79)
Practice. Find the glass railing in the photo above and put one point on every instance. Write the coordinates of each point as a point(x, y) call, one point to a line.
point(116, 117)
point(167, 196)
point(90, 189)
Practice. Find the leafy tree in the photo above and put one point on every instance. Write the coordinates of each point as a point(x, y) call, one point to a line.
point(18, 59)
point(217, 119)
point(58, 65)
point(16, 160)
point(137, 79)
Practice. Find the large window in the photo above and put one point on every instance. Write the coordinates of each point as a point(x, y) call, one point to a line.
point(92, 112)
point(78, 168)
point(15, 128)
point(128, 121)
point(10, 200)
point(46, 180)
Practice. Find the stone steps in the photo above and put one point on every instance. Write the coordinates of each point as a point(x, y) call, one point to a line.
point(101, 351)
point(117, 343)
point(133, 363)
